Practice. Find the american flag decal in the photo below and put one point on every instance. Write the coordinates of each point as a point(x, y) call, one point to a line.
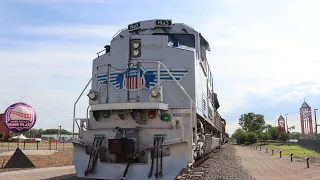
point(127, 79)
point(131, 83)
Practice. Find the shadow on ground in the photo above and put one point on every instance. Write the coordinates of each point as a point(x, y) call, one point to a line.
point(68, 177)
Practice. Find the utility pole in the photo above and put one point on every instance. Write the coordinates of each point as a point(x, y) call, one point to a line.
point(315, 120)
point(287, 123)
point(60, 132)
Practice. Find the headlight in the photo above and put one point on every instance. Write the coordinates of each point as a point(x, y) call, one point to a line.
point(135, 48)
point(155, 92)
point(136, 52)
point(135, 45)
point(93, 95)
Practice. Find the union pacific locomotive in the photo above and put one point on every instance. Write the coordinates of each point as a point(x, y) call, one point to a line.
point(152, 106)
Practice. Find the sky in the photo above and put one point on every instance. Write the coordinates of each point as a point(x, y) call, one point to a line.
point(264, 54)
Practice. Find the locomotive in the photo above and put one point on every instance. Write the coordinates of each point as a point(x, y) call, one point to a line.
point(152, 107)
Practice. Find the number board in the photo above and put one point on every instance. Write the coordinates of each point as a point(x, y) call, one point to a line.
point(163, 23)
point(134, 26)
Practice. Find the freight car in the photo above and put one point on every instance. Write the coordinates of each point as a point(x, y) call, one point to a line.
point(152, 106)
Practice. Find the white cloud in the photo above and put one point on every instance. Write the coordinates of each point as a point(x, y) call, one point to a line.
point(51, 74)
point(79, 31)
point(264, 48)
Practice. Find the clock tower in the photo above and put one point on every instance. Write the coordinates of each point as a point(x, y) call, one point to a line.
point(306, 119)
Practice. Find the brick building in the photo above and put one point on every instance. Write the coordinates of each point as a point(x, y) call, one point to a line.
point(3, 127)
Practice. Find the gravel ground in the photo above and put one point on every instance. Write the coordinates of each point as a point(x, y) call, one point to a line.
point(224, 165)
point(59, 158)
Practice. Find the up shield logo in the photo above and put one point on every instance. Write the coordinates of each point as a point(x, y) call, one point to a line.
point(19, 117)
point(128, 78)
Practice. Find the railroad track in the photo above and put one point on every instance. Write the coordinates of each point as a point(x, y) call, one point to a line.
point(193, 172)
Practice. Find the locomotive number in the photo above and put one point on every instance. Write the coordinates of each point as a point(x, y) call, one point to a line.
point(163, 23)
point(133, 26)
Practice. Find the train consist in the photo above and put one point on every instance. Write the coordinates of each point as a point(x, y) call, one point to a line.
point(152, 107)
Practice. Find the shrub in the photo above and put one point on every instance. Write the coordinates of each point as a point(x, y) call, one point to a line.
point(252, 137)
point(240, 136)
point(265, 136)
point(284, 137)
point(2, 134)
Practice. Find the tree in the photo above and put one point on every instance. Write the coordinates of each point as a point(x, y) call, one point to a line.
point(2, 134)
point(284, 137)
point(252, 122)
point(295, 135)
point(265, 136)
point(274, 132)
point(240, 136)
point(252, 137)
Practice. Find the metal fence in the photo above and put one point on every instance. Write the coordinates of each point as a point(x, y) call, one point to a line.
point(23, 145)
point(312, 144)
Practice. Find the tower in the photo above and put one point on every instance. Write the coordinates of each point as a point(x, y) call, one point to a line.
point(306, 119)
point(281, 125)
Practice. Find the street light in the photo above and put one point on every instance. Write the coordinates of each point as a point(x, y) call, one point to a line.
point(315, 120)
point(287, 123)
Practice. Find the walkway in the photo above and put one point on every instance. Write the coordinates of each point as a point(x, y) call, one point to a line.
point(42, 173)
point(264, 166)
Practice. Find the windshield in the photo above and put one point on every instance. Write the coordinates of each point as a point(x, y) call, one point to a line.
point(178, 40)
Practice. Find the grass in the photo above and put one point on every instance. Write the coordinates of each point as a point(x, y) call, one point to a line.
point(298, 151)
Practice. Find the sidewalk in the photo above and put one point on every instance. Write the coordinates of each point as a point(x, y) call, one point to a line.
point(34, 174)
point(264, 166)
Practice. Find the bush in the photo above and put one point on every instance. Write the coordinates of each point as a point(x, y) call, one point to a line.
point(265, 136)
point(284, 137)
point(252, 137)
point(2, 134)
point(240, 136)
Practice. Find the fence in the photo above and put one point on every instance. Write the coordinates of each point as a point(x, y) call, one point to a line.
point(50, 145)
point(312, 144)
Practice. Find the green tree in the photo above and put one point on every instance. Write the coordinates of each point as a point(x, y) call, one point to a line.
point(284, 137)
point(273, 131)
point(240, 136)
point(252, 137)
point(2, 134)
point(295, 135)
point(252, 122)
point(265, 136)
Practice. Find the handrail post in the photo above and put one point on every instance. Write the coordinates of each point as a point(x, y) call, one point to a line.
point(74, 106)
point(191, 101)
point(158, 75)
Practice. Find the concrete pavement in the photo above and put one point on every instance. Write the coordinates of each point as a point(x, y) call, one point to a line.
point(264, 166)
point(37, 174)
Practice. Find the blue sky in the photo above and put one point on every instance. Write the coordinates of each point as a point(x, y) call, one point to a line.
point(264, 53)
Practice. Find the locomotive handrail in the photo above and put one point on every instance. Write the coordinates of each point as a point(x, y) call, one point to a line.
point(74, 106)
point(183, 90)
